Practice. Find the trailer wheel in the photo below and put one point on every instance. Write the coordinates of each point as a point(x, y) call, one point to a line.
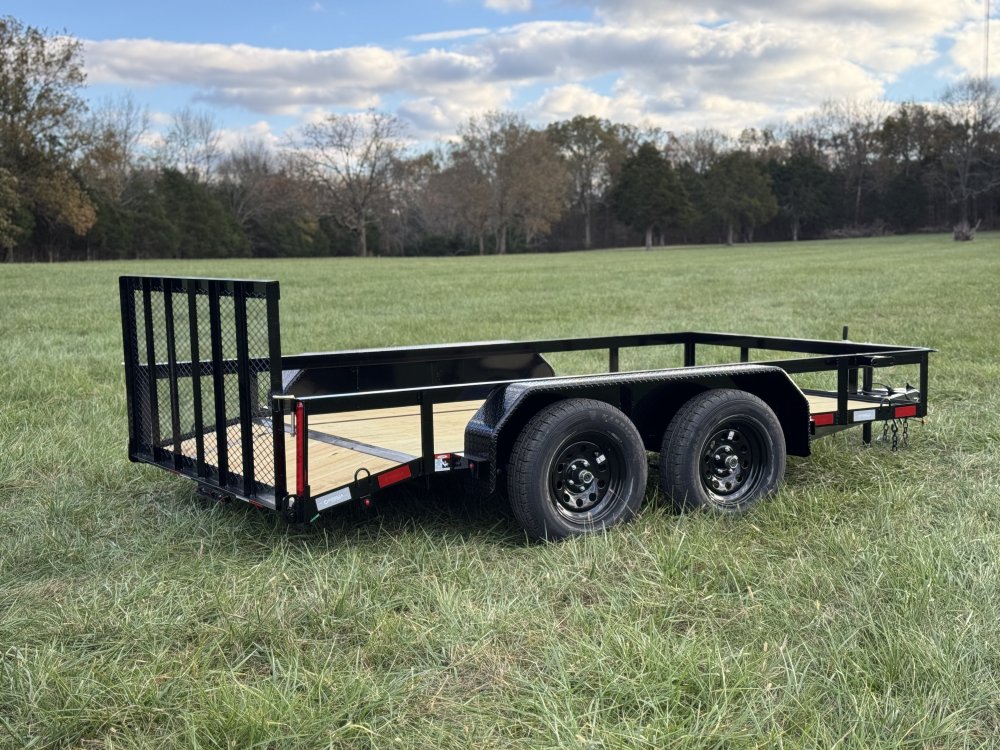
point(578, 466)
point(724, 450)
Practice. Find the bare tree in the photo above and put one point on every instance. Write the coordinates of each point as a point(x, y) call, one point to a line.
point(587, 145)
point(245, 176)
point(971, 155)
point(352, 157)
point(520, 166)
point(850, 132)
point(699, 149)
point(403, 214)
point(113, 134)
point(459, 200)
point(191, 143)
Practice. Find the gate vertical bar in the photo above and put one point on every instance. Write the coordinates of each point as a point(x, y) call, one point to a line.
point(221, 428)
point(154, 407)
point(246, 388)
point(199, 425)
point(175, 412)
point(127, 299)
point(277, 412)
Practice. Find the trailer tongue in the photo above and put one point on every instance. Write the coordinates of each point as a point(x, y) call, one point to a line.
point(212, 397)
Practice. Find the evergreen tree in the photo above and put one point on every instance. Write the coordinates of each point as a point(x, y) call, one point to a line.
point(739, 194)
point(648, 194)
point(803, 190)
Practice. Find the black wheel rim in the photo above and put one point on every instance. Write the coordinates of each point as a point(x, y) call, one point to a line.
point(585, 477)
point(733, 462)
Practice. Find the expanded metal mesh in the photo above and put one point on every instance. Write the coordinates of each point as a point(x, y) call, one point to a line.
point(258, 343)
point(174, 359)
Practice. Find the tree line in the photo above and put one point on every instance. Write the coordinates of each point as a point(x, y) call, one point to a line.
point(79, 182)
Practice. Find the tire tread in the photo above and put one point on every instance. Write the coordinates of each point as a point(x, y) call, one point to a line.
point(680, 434)
point(524, 456)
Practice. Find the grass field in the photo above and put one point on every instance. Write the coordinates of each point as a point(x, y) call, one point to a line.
point(859, 608)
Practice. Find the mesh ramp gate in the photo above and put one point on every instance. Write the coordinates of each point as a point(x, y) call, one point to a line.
point(202, 362)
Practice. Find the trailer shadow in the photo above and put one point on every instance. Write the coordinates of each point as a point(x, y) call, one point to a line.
point(447, 508)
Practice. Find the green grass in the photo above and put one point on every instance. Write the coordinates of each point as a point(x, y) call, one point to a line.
point(859, 608)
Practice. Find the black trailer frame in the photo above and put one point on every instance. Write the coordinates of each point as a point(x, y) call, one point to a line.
point(212, 397)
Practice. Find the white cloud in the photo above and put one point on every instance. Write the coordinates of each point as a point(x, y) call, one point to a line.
point(509, 6)
point(567, 101)
point(258, 132)
point(966, 54)
point(895, 16)
point(443, 36)
point(688, 63)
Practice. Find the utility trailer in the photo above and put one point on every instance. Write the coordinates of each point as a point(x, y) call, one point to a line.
point(211, 396)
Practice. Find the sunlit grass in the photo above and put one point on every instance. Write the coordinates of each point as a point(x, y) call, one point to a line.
point(859, 608)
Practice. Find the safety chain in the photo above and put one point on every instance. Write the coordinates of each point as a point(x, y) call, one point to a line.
point(900, 437)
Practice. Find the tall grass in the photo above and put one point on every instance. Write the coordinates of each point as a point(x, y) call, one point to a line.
point(859, 608)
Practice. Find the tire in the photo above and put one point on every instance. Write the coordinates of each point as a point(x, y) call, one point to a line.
point(578, 466)
point(723, 451)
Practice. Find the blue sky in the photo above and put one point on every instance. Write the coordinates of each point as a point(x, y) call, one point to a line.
point(262, 67)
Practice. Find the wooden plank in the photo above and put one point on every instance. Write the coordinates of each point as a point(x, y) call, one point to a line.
point(331, 466)
point(823, 404)
point(399, 429)
point(394, 429)
point(234, 446)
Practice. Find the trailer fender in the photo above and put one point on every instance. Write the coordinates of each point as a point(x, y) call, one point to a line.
point(649, 399)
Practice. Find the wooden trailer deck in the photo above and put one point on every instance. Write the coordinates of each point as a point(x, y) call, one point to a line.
point(377, 439)
point(341, 444)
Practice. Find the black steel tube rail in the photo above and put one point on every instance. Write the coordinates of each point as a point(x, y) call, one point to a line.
point(218, 395)
point(390, 398)
point(442, 352)
point(175, 412)
point(154, 412)
point(247, 390)
point(801, 346)
point(277, 417)
point(199, 422)
point(126, 299)
point(161, 370)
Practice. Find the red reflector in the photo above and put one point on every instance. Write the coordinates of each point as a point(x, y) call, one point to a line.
point(300, 450)
point(821, 420)
point(906, 411)
point(396, 475)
